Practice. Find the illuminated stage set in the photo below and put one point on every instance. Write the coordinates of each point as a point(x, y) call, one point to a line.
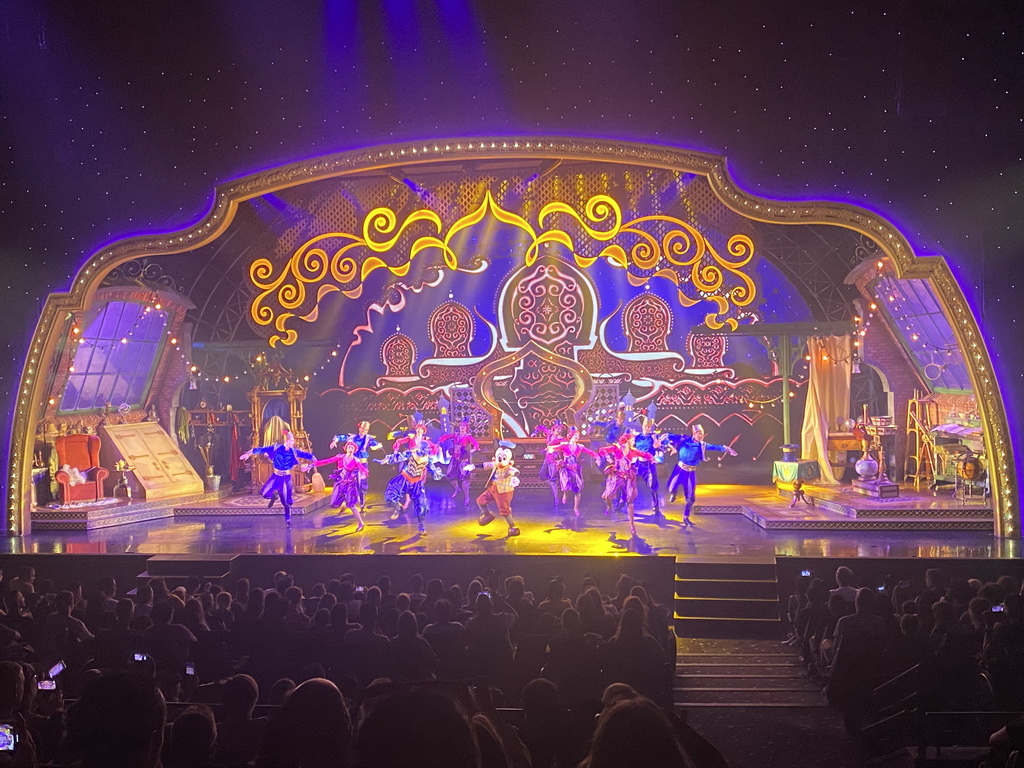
point(501, 286)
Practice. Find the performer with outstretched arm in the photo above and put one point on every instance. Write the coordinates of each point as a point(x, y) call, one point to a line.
point(348, 478)
point(554, 436)
point(692, 451)
point(365, 442)
point(411, 440)
point(570, 473)
point(284, 456)
point(463, 445)
point(647, 471)
point(621, 474)
point(501, 486)
point(409, 481)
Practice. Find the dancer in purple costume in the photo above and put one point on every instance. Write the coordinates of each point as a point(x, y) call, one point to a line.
point(348, 480)
point(463, 445)
point(365, 442)
point(621, 474)
point(570, 473)
point(284, 456)
point(548, 470)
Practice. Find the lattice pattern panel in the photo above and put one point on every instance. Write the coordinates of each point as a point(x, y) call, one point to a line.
point(465, 406)
point(603, 402)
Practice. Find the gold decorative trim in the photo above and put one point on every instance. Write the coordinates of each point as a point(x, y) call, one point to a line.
point(229, 196)
point(677, 254)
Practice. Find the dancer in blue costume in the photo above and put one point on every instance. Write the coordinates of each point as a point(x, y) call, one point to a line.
point(285, 456)
point(647, 471)
point(692, 451)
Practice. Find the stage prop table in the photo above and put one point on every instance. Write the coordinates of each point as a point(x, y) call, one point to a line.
point(790, 471)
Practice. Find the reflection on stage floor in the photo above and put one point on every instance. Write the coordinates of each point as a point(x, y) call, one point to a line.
point(730, 520)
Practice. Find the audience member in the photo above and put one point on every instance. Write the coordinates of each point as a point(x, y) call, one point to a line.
point(312, 730)
point(845, 584)
point(192, 740)
point(239, 734)
point(117, 722)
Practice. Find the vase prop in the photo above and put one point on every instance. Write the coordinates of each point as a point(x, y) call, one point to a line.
point(866, 467)
point(873, 480)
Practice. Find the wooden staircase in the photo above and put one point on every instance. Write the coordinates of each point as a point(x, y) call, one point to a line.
point(727, 597)
point(741, 673)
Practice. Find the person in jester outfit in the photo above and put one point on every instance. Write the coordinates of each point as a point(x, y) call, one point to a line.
point(416, 464)
point(501, 487)
point(284, 456)
point(348, 478)
point(365, 442)
point(692, 451)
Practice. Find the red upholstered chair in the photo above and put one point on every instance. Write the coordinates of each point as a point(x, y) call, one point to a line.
point(80, 452)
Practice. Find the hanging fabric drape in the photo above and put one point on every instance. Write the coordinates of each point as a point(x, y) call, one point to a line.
point(828, 398)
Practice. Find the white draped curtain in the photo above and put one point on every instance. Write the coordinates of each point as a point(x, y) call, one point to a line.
point(828, 398)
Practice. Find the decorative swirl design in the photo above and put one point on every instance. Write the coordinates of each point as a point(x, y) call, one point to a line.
point(647, 247)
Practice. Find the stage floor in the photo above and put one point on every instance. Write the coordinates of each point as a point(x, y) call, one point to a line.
point(731, 521)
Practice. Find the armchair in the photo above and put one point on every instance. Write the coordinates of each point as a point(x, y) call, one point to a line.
point(81, 452)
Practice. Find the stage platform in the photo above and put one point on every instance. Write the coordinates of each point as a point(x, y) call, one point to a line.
point(84, 517)
point(730, 520)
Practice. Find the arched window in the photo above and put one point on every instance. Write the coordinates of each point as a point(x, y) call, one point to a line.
point(116, 357)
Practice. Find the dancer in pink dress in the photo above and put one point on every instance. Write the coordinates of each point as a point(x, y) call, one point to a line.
point(462, 456)
point(621, 474)
point(348, 478)
point(570, 473)
point(548, 470)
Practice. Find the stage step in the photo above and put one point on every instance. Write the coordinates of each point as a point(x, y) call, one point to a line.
point(729, 607)
point(195, 565)
point(822, 518)
point(726, 597)
point(741, 588)
point(742, 673)
point(176, 569)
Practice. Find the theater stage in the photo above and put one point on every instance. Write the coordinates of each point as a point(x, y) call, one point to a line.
point(731, 521)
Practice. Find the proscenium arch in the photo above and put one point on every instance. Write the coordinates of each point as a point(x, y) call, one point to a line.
point(228, 197)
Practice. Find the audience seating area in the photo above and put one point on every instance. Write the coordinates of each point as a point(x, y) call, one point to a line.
point(340, 673)
point(926, 663)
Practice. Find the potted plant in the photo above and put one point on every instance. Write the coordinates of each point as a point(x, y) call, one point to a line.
point(211, 481)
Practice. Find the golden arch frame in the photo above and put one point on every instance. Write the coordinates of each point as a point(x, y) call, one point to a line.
point(228, 196)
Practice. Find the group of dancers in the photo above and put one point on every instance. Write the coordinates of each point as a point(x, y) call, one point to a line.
point(626, 458)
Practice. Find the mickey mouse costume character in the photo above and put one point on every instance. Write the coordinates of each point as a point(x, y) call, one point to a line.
point(284, 456)
point(501, 486)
